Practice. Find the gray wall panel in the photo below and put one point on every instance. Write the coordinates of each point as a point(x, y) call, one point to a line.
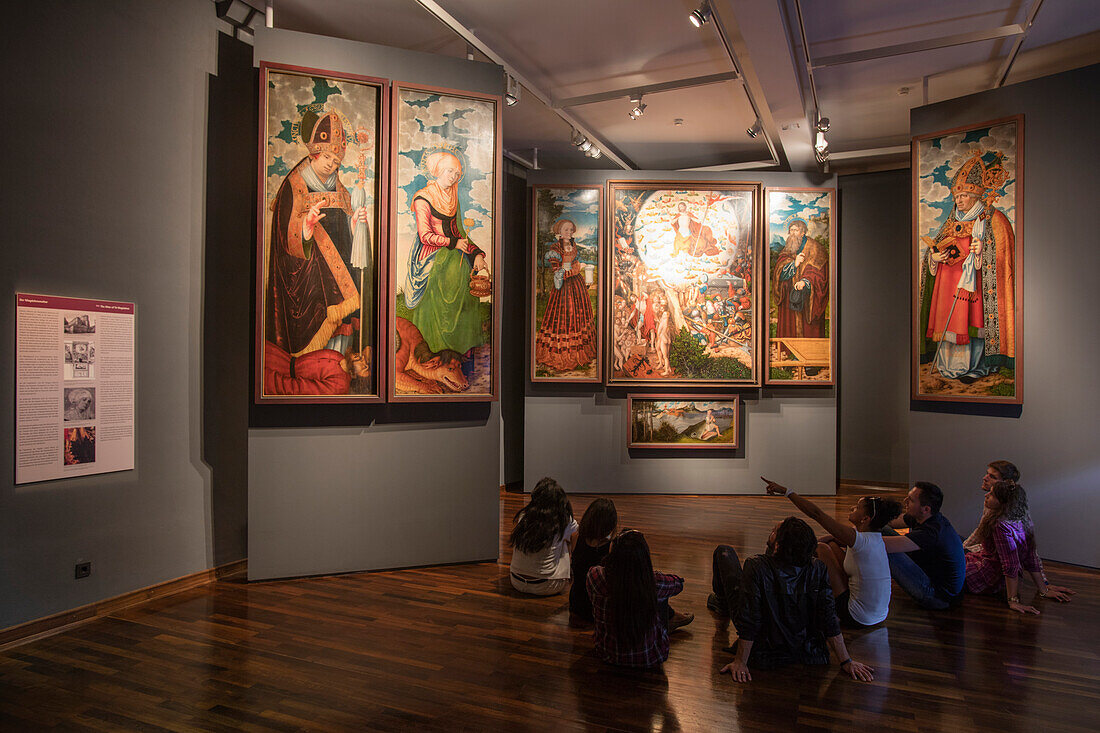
point(1053, 441)
point(419, 485)
point(581, 441)
point(874, 287)
point(329, 500)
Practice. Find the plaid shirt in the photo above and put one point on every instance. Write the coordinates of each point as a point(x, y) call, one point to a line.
point(654, 647)
point(1011, 547)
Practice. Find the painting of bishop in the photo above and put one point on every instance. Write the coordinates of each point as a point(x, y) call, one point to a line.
point(968, 195)
point(681, 290)
point(319, 206)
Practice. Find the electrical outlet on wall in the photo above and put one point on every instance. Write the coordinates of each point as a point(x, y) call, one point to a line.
point(83, 570)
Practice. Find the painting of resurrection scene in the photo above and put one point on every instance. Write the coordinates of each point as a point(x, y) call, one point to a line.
point(446, 245)
point(682, 421)
point(681, 290)
point(317, 279)
point(967, 202)
point(800, 264)
point(565, 309)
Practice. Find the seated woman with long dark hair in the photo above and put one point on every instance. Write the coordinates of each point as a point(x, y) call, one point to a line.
point(593, 541)
point(1006, 544)
point(630, 604)
point(542, 540)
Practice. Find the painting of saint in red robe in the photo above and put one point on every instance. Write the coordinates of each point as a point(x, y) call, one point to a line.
point(965, 315)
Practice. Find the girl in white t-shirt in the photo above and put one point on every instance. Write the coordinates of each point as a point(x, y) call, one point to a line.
point(542, 541)
point(859, 571)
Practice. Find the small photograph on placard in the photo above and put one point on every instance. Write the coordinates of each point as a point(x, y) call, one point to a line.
point(79, 360)
point(79, 446)
point(79, 323)
point(79, 403)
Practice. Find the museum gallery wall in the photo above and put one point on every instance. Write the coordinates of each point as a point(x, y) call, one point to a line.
point(683, 306)
point(687, 291)
point(337, 487)
point(182, 511)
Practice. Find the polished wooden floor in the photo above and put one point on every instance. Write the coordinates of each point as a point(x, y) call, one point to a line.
point(455, 648)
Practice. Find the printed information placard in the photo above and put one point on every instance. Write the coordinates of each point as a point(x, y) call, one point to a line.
point(74, 387)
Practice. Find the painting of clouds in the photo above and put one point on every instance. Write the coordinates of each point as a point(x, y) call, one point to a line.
point(320, 210)
point(567, 254)
point(444, 262)
point(683, 421)
point(801, 257)
point(967, 199)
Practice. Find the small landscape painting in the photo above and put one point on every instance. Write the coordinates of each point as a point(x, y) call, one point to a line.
point(683, 421)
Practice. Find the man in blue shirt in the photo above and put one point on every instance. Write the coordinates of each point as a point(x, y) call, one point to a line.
point(928, 563)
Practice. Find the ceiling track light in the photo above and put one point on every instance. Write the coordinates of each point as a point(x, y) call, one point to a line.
point(594, 152)
point(511, 90)
point(700, 15)
point(637, 107)
point(822, 124)
point(755, 130)
point(821, 145)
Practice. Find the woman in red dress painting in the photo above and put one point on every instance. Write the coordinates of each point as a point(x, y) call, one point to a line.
point(566, 338)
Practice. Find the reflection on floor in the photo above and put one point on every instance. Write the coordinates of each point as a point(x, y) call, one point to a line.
point(456, 648)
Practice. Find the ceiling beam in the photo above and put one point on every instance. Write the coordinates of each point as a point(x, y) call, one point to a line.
point(1006, 65)
point(900, 49)
point(752, 88)
point(869, 153)
point(820, 156)
point(749, 165)
point(667, 86)
point(467, 35)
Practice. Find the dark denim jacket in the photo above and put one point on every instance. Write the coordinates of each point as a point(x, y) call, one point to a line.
point(786, 611)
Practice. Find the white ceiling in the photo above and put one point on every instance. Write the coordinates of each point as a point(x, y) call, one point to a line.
point(573, 48)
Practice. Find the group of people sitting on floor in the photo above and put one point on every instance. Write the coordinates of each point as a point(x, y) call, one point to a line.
point(788, 604)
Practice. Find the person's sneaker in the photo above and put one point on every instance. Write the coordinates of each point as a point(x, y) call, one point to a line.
point(715, 604)
point(679, 619)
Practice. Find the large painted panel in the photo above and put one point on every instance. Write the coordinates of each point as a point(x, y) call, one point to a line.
point(801, 264)
point(682, 285)
point(967, 304)
point(322, 173)
point(445, 259)
point(567, 256)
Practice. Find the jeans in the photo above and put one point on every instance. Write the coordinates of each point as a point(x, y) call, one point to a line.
point(726, 577)
point(915, 582)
